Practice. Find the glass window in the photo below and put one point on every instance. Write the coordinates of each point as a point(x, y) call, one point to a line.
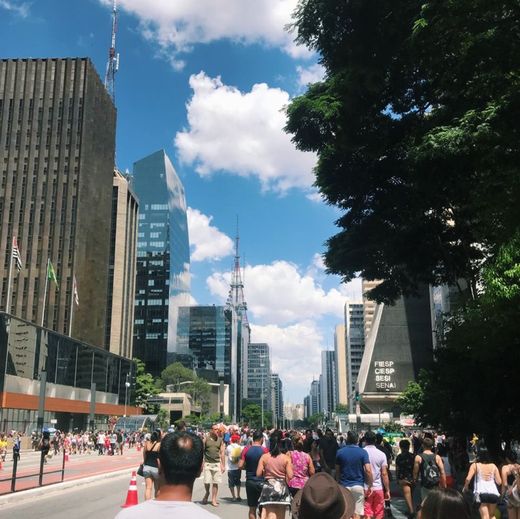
point(66, 362)
point(100, 371)
point(84, 374)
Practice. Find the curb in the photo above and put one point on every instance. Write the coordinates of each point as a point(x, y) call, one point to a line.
point(48, 490)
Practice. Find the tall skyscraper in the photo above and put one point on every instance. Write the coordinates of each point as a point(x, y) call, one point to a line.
point(328, 383)
point(315, 398)
point(207, 337)
point(122, 268)
point(398, 347)
point(340, 358)
point(370, 306)
point(355, 342)
point(57, 141)
point(163, 260)
point(259, 374)
point(277, 399)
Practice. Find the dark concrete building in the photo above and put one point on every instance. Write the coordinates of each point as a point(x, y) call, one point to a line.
point(57, 141)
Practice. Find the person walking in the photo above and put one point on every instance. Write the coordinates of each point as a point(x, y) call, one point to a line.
point(233, 455)
point(303, 467)
point(511, 484)
point(249, 462)
point(404, 473)
point(150, 464)
point(276, 468)
point(353, 471)
point(487, 479)
point(430, 467)
point(444, 504)
point(328, 447)
point(180, 463)
point(375, 500)
point(213, 464)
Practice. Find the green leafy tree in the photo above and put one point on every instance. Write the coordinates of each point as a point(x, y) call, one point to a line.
point(174, 374)
point(415, 129)
point(163, 419)
point(411, 400)
point(252, 414)
point(316, 419)
point(200, 390)
point(144, 388)
point(342, 409)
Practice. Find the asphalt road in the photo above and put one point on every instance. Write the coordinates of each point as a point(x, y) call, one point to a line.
point(103, 500)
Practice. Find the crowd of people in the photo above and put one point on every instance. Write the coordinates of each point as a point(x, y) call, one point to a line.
point(433, 472)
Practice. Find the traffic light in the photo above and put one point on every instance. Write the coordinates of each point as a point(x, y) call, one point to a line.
point(357, 397)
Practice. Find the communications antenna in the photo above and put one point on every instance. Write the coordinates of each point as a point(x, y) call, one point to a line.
point(113, 58)
point(236, 298)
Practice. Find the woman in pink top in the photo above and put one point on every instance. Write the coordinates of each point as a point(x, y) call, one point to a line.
point(276, 468)
point(303, 467)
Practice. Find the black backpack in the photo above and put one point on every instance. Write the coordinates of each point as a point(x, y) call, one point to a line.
point(431, 474)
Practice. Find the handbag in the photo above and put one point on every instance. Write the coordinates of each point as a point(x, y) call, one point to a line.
point(140, 470)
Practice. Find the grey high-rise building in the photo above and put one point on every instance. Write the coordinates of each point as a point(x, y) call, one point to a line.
point(122, 267)
point(315, 397)
point(207, 343)
point(163, 260)
point(259, 374)
point(328, 383)
point(277, 399)
point(57, 141)
point(355, 344)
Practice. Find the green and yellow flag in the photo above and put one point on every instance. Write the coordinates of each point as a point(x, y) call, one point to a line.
point(51, 275)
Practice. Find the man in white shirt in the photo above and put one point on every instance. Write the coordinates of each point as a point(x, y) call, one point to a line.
point(180, 463)
point(375, 500)
point(233, 453)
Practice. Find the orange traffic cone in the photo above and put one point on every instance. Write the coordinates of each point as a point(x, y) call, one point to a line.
point(1, 464)
point(66, 456)
point(131, 496)
point(138, 446)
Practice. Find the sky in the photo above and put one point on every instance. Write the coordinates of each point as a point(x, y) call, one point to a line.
point(208, 81)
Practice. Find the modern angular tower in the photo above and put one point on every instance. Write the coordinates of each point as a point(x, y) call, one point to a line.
point(163, 259)
point(57, 142)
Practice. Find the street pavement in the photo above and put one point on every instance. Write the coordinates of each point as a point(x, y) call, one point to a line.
point(77, 467)
point(103, 500)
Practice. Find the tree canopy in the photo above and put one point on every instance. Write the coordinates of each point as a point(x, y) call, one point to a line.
point(415, 127)
point(144, 387)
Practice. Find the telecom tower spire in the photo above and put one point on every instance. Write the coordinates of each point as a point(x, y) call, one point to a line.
point(113, 58)
point(236, 298)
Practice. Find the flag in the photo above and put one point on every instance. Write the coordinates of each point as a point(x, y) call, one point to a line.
point(51, 275)
point(16, 255)
point(75, 291)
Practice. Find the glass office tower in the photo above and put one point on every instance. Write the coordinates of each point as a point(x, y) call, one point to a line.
point(163, 259)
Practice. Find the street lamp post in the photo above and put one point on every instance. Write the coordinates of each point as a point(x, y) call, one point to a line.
point(262, 391)
point(127, 385)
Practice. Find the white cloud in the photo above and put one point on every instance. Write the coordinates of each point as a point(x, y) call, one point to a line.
point(310, 74)
point(295, 354)
point(177, 25)
point(21, 9)
point(242, 133)
point(206, 241)
point(280, 294)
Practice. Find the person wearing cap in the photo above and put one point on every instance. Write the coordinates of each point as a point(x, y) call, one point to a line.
point(353, 471)
point(322, 498)
point(233, 453)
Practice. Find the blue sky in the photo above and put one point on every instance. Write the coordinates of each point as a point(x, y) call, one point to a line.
point(207, 81)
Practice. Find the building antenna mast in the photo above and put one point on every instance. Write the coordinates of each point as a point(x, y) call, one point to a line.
point(236, 298)
point(113, 58)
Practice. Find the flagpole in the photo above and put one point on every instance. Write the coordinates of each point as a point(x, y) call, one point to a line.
point(9, 282)
point(71, 306)
point(45, 292)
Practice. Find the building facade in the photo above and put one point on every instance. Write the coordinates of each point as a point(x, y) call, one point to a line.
point(31, 356)
point(163, 260)
point(259, 375)
point(340, 359)
point(315, 398)
point(369, 305)
point(277, 399)
point(355, 342)
point(328, 383)
point(122, 268)
point(57, 142)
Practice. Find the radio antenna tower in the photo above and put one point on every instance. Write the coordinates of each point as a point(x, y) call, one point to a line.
point(236, 298)
point(113, 58)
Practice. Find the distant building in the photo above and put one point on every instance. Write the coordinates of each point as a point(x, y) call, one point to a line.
point(208, 334)
point(122, 268)
point(355, 342)
point(340, 359)
point(259, 374)
point(277, 399)
point(314, 398)
point(163, 260)
point(328, 383)
point(307, 407)
point(57, 142)
point(369, 305)
point(398, 347)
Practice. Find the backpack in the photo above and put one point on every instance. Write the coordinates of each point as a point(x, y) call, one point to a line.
point(235, 454)
point(431, 474)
